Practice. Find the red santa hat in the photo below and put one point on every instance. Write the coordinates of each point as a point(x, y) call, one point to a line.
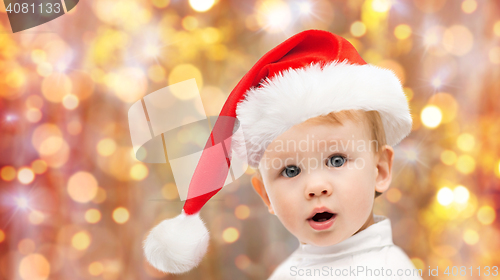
point(312, 73)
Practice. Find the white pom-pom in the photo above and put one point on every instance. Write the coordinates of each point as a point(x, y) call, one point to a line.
point(177, 245)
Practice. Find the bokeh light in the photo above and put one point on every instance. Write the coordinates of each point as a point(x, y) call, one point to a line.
point(34, 266)
point(486, 215)
point(471, 237)
point(448, 157)
point(461, 194)
point(36, 217)
point(139, 172)
point(431, 116)
point(82, 187)
point(92, 216)
point(8, 173)
point(402, 31)
point(273, 15)
point(25, 175)
point(106, 147)
point(39, 166)
point(121, 215)
point(77, 203)
point(230, 235)
point(445, 196)
point(465, 164)
point(358, 29)
point(96, 268)
point(242, 212)
point(81, 240)
point(201, 5)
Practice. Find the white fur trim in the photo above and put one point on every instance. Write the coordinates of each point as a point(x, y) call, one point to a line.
point(177, 245)
point(296, 95)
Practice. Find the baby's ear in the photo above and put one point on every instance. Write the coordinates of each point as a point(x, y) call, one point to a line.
point(384, 169)
point(258, 186)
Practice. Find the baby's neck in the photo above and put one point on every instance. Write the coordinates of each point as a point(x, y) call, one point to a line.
point(370, 221)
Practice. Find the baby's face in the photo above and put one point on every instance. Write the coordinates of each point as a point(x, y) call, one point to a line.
point(320, 180)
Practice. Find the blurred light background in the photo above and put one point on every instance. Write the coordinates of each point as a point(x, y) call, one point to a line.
point(76, 204)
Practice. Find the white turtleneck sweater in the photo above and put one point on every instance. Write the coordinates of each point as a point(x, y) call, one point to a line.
point(369, 254)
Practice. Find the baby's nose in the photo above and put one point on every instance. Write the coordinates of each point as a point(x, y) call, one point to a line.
point(317, 190)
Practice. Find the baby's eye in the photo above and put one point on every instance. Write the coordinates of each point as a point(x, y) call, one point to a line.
point(290, 171)
point(336, 161)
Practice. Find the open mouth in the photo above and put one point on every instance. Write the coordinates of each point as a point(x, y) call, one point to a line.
point(322, 217)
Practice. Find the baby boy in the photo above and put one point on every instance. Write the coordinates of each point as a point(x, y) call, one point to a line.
point(320, 133)
point(319, 124)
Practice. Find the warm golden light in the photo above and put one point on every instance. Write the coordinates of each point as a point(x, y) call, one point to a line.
point(36, 217)
point(494, 55)
point(465, 164)
point(242, 262)
point(160, 3)
point(448, 157)
point(273, 15)
point(120, 215)
point(358, 29)
point(39, 166)
point(33, 115)
point(82, 187)
point(201, 5)
point(486, 215)
point(447, 104)
point(230, 235)
point(445, 196)
point(458, 40)
point(100, 196)
point(169, 191)
point(51, 145)
point(70, 101)
point(157, 73)
point(496, 28)
point(431, 116)
point(471, 237)
point(96, 268)
point(402, 31)
point(8, 173)
point(469, 6)
point(2, 236)
point(393, 195)
point(418, 263)
point(461, 194)
point(34, 266)
point(81, 240)
point(465, 142)
point(242, 212)
point(181, 73)
point(381, 6)
point(106, 147)
point(139, 172)
point(25, 175)
point(92, 216)
point(55, 87)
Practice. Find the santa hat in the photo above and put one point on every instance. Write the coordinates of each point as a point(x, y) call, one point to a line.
point(312, 73)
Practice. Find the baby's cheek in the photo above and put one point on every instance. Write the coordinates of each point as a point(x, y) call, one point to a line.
point(286, 212)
